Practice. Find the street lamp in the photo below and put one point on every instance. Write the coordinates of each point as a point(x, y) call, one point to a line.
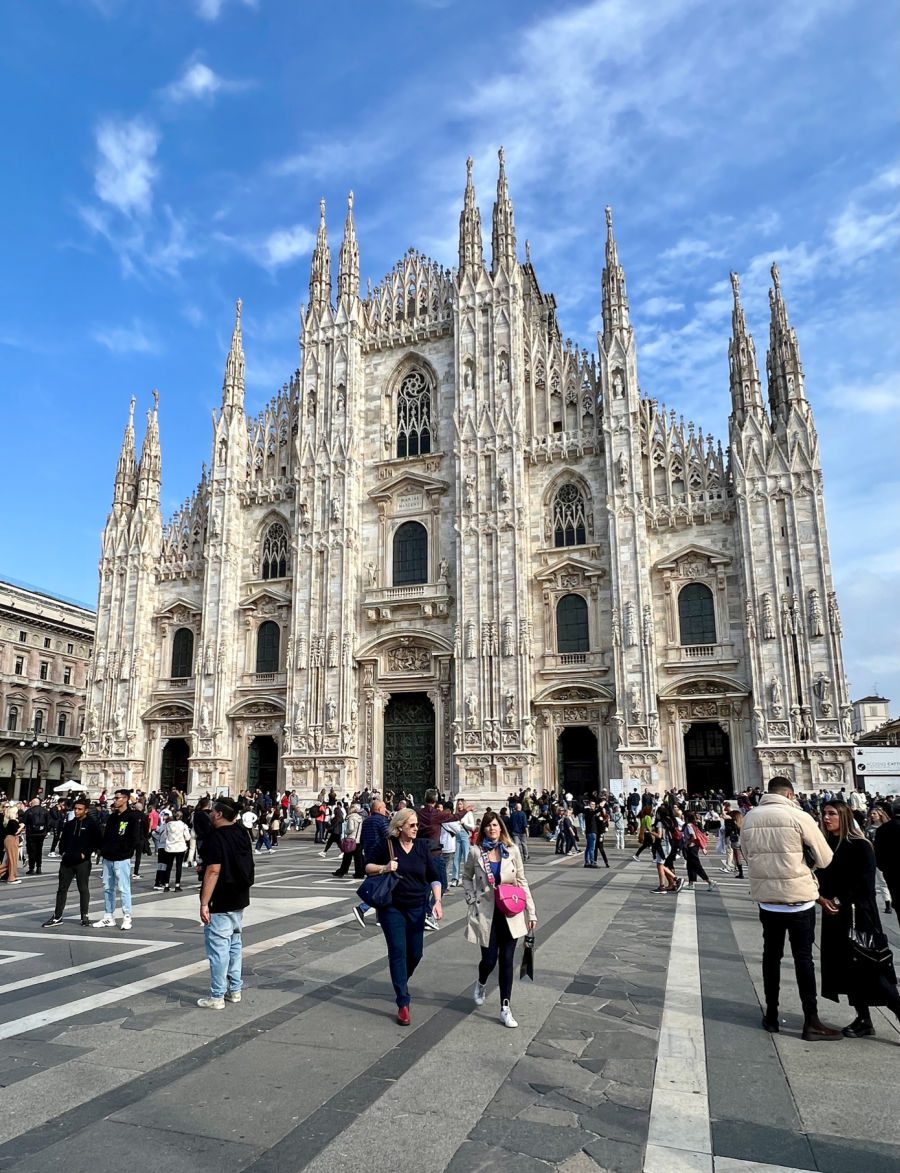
point(34, 737)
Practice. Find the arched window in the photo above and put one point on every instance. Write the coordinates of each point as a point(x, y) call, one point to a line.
point(182, 653)
point(697, 614)
point(12, 722)
point(274, 551)
point(414, 415)
point(568, 517)
point(39, 721)
point(62, 723)
point(267, 641)
point(572, 634)
point(410, 553)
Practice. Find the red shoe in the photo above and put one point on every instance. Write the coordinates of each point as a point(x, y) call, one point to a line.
point(403, 1016)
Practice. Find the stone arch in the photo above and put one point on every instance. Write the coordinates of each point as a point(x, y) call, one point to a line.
point(419, 424)
point(568, 522)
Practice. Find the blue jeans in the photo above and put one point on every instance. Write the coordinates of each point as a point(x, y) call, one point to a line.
point(116, 874)
point(460, 856)
point(521, 842)
point(222, 937)
point(441, 864)
point(590, 849)
point(404, 931)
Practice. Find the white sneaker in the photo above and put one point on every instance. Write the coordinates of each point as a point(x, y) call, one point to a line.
point(105, 922)
point(506, 1016)
point(233, 997)
point(211, 1003)
point(323, 855)
point(126, 924)
point(478, 994)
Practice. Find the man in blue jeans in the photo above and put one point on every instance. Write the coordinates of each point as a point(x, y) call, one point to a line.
point(372, 834)
point(518, 829)
point(228, 875)
point(121, 836)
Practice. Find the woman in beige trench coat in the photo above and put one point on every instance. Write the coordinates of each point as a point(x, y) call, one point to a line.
point(493, 860)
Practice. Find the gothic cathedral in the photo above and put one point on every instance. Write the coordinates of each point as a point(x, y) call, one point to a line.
point(456, 550)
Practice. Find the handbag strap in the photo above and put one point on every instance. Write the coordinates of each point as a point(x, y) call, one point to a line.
point(487, 867)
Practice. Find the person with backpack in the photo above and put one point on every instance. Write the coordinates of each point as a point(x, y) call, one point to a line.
point(36, 823)
point(694, 841)
point(335, 829)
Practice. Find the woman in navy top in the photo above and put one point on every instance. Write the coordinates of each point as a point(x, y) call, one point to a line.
point(403, 920)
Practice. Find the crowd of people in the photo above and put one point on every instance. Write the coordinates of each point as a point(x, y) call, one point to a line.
point(833, 850)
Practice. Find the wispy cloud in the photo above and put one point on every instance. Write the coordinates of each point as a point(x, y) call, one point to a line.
point(144, 248)
point(132, 339)
point(280, 247)
point(212, 9)
point(198, 82)
point(125, 170)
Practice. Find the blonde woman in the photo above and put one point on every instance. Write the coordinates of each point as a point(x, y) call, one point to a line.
point(494, 860)
point(877, 818)
point(10, 867)
point(403, 920)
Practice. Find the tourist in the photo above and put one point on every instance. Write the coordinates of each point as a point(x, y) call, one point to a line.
point(177, 841)
point(9, 867)
point(693, 843)
point(335, 829)
point(773, 836)
point(352, 854)
point(847, 897)
point(878, 816)
point(430, 820)
point(887, 854)
point(120, 838)
point(228, 876)
point(617, 818)
point(518, 829)
point(79, 840)
point(36, 824)
point(403, 920)
point(495, 860)
point(660, 846)
point(645, 829)
point(373, 834)
point(465, 827)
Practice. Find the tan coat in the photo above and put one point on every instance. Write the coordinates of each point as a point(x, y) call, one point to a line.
point(480, 896)
point(772, 839)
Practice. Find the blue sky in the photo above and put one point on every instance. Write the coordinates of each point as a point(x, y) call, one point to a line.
point(164, 157)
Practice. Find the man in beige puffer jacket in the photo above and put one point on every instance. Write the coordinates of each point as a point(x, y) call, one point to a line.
point(773, 838)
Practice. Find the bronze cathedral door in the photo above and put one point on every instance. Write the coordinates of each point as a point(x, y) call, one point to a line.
point(409, 745)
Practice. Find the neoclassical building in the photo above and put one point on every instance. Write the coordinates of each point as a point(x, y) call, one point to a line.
point(458, 549)
point(45, 651)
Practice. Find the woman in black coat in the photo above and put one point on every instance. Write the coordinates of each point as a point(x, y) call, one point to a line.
point(847, 886)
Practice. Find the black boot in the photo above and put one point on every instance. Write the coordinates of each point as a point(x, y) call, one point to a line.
point(859, 1028)
point(770, 1021)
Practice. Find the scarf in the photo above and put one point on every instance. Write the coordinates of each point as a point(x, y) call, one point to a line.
point(488, 845)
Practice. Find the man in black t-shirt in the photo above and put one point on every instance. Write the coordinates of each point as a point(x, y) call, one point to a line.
point(228, 875)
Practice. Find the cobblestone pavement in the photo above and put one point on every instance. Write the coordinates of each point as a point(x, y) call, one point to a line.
point(639, 1046)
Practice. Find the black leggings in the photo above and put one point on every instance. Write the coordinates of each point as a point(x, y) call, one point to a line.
point(694, 866)
point(503, 945)
point(176, 858)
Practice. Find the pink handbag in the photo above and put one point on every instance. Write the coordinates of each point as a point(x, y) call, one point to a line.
point(510, 899)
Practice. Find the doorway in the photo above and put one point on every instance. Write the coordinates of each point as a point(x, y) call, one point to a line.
point(174, 765)
point(409, 745)
point(262, 766)
point(577, 761)
point(707, 759)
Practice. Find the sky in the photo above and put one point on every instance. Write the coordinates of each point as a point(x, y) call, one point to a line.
point(164, 157)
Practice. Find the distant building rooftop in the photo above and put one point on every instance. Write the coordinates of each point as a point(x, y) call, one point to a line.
point(27, 586)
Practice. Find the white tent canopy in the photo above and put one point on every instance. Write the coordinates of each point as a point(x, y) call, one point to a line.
point(66, 787)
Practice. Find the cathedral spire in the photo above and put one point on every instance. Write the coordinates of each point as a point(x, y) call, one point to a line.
point(783, 358)
point(503, 231)
point(746, 396)
point(348, 262)
point(471, 250)
point(123, 494)
point(150, 467)
point(233, 384)
point(320, 269)
point(615, 299)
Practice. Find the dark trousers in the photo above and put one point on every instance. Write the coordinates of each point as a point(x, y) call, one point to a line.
point(176, 857)
point(800, 929)
point(81, 875)
point(502, 947)
point(34, 850)
point(695, 869)
point(600, 851)
point(57, 835)
point(356, 858)
point(334, 837)
point(138, 852)
point(643, 847)
point(404, 932)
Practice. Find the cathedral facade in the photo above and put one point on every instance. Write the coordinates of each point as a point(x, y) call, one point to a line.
point(457, 550)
